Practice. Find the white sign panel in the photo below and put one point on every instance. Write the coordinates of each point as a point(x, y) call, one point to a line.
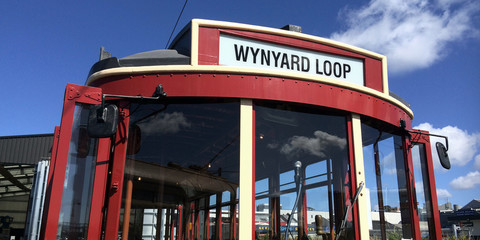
point(242, 52)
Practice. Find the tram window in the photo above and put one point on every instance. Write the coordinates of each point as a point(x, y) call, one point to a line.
point(186, 167)
point(286, 134)
point(423, 192)
point(77, 190)
point(385, 182)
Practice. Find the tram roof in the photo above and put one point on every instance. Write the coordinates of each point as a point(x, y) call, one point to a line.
point(187, 54)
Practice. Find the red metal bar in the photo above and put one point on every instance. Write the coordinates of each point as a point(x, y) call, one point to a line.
point(48, 193)
point(116, 177)
point(172, 225)
point(412, 198)
point(180, 222)
point(99, 188)
point(353, 171)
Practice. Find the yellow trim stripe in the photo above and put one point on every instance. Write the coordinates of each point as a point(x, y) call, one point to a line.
point(360, 176)
point(245, 205)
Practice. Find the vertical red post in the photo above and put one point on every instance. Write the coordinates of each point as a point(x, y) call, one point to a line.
point(116, 178)
point(353, 183)
point(99, 188)
point(412, 198)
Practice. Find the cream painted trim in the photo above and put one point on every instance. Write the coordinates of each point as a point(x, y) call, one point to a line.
point(194, 43)
point(385, 76)
point(243, 71)
point(280, 32)
point(245, 205)
point(362, 200)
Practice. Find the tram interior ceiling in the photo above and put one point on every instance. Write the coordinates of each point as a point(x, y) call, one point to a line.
point(178, 184)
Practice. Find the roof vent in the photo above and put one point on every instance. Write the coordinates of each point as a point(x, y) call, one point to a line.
point(104, 54)
point(293, 28)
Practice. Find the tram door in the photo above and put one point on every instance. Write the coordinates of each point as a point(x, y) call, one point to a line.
point(75, 189)
point(425, 194)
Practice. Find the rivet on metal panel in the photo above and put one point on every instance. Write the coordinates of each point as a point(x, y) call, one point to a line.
point(94, 96)
point(73, 93)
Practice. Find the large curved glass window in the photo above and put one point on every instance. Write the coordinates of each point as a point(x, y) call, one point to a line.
point(182, 171)
point(386, 183)
point(287, 136)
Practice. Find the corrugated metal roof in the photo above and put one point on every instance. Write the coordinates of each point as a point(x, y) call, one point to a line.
point(25, 149)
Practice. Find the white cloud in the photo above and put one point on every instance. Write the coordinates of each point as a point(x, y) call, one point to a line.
point(388, 163)
point(470, 181)
point(315, 146)
point(477, 162)
point(165, 123)
point(413, 34)
point(462, 145)
point(443, 193)
point(419, 187)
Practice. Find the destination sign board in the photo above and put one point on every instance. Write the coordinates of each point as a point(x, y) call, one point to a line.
point(243, 52)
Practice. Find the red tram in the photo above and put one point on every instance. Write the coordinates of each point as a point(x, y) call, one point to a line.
point(240, 132)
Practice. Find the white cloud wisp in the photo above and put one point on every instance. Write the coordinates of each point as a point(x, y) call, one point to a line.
point(470, 181)
point(413, 34)
point(315, 146)
point(443, 193)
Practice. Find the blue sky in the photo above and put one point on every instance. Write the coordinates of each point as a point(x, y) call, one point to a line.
point(432, 47)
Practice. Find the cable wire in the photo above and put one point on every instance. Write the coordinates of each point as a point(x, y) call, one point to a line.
point(180, 15)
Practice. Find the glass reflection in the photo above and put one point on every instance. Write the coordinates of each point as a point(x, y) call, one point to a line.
point(78, 185)
point(182, 168)
point(422, 188)
point(286, 134)
point(385, 182)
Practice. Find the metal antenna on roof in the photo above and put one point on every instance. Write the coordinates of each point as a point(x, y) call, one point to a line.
point(176, 24)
